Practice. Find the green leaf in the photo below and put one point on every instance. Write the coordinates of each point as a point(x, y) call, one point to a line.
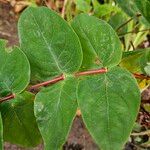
point(128, 7)
point(49, 42)
point(14, 71)
point(105, 11)
point(55, 108)
point(144, 8)
point(101, 46)
point(134, 7)
point(19, 122)
point(147, 69)
point(1, 133)
point(117, 20)
point(109, 104)
point(136, 61)
point(83, 5)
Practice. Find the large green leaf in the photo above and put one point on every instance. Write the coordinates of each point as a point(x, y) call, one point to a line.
point(55, 108)
point(49, 42)
point(19, 122)
point(101, 46)
point(144, 8)
point(14, 70)
point(136, 61)
point(109, 104)
point(1, 133)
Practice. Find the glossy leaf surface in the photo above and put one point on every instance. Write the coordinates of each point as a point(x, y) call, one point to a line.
point(14, 70)
point(49, 42)
point(19, 122)
point(109, 105)
point(101, 46)
point(55, 108)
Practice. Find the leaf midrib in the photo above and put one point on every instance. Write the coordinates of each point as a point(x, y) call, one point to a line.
point(44, 39)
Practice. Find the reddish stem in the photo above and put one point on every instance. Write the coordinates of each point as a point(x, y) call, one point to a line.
point(141, 76)
point(46, 83)
point(90, 72)
point(7, 98)
point(59, 78)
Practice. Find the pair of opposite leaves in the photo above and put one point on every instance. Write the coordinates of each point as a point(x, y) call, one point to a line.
point(109, 102)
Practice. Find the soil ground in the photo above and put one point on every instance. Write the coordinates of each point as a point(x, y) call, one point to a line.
point(79, 138)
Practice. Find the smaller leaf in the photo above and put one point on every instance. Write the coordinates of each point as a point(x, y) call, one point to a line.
point(19, 122)
point(144, 8)
point(136, 61)
point(147, 69)
point(128, 6)
point(55, 108)
point(100, 44)
point(14, 70)
point(83, 5)
point(117, 20)
point(134, 7)
point(105, 11)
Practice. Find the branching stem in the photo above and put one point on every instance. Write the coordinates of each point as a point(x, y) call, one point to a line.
point(141, 76)
point(134, 31)
point(9, 97)
point(62, 77)
point(125, 23)
point(46, 83)
point(91, 72)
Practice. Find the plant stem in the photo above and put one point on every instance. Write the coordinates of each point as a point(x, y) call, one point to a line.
point(133, 31)
point(78, 74)
point(141, 76)
point(141, 133)
point(125, 23)
point(46, 83)
point(64, 8)
point(90, 72)
point(7, 98)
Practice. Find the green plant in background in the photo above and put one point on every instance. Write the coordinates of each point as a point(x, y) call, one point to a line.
point(69, 67)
